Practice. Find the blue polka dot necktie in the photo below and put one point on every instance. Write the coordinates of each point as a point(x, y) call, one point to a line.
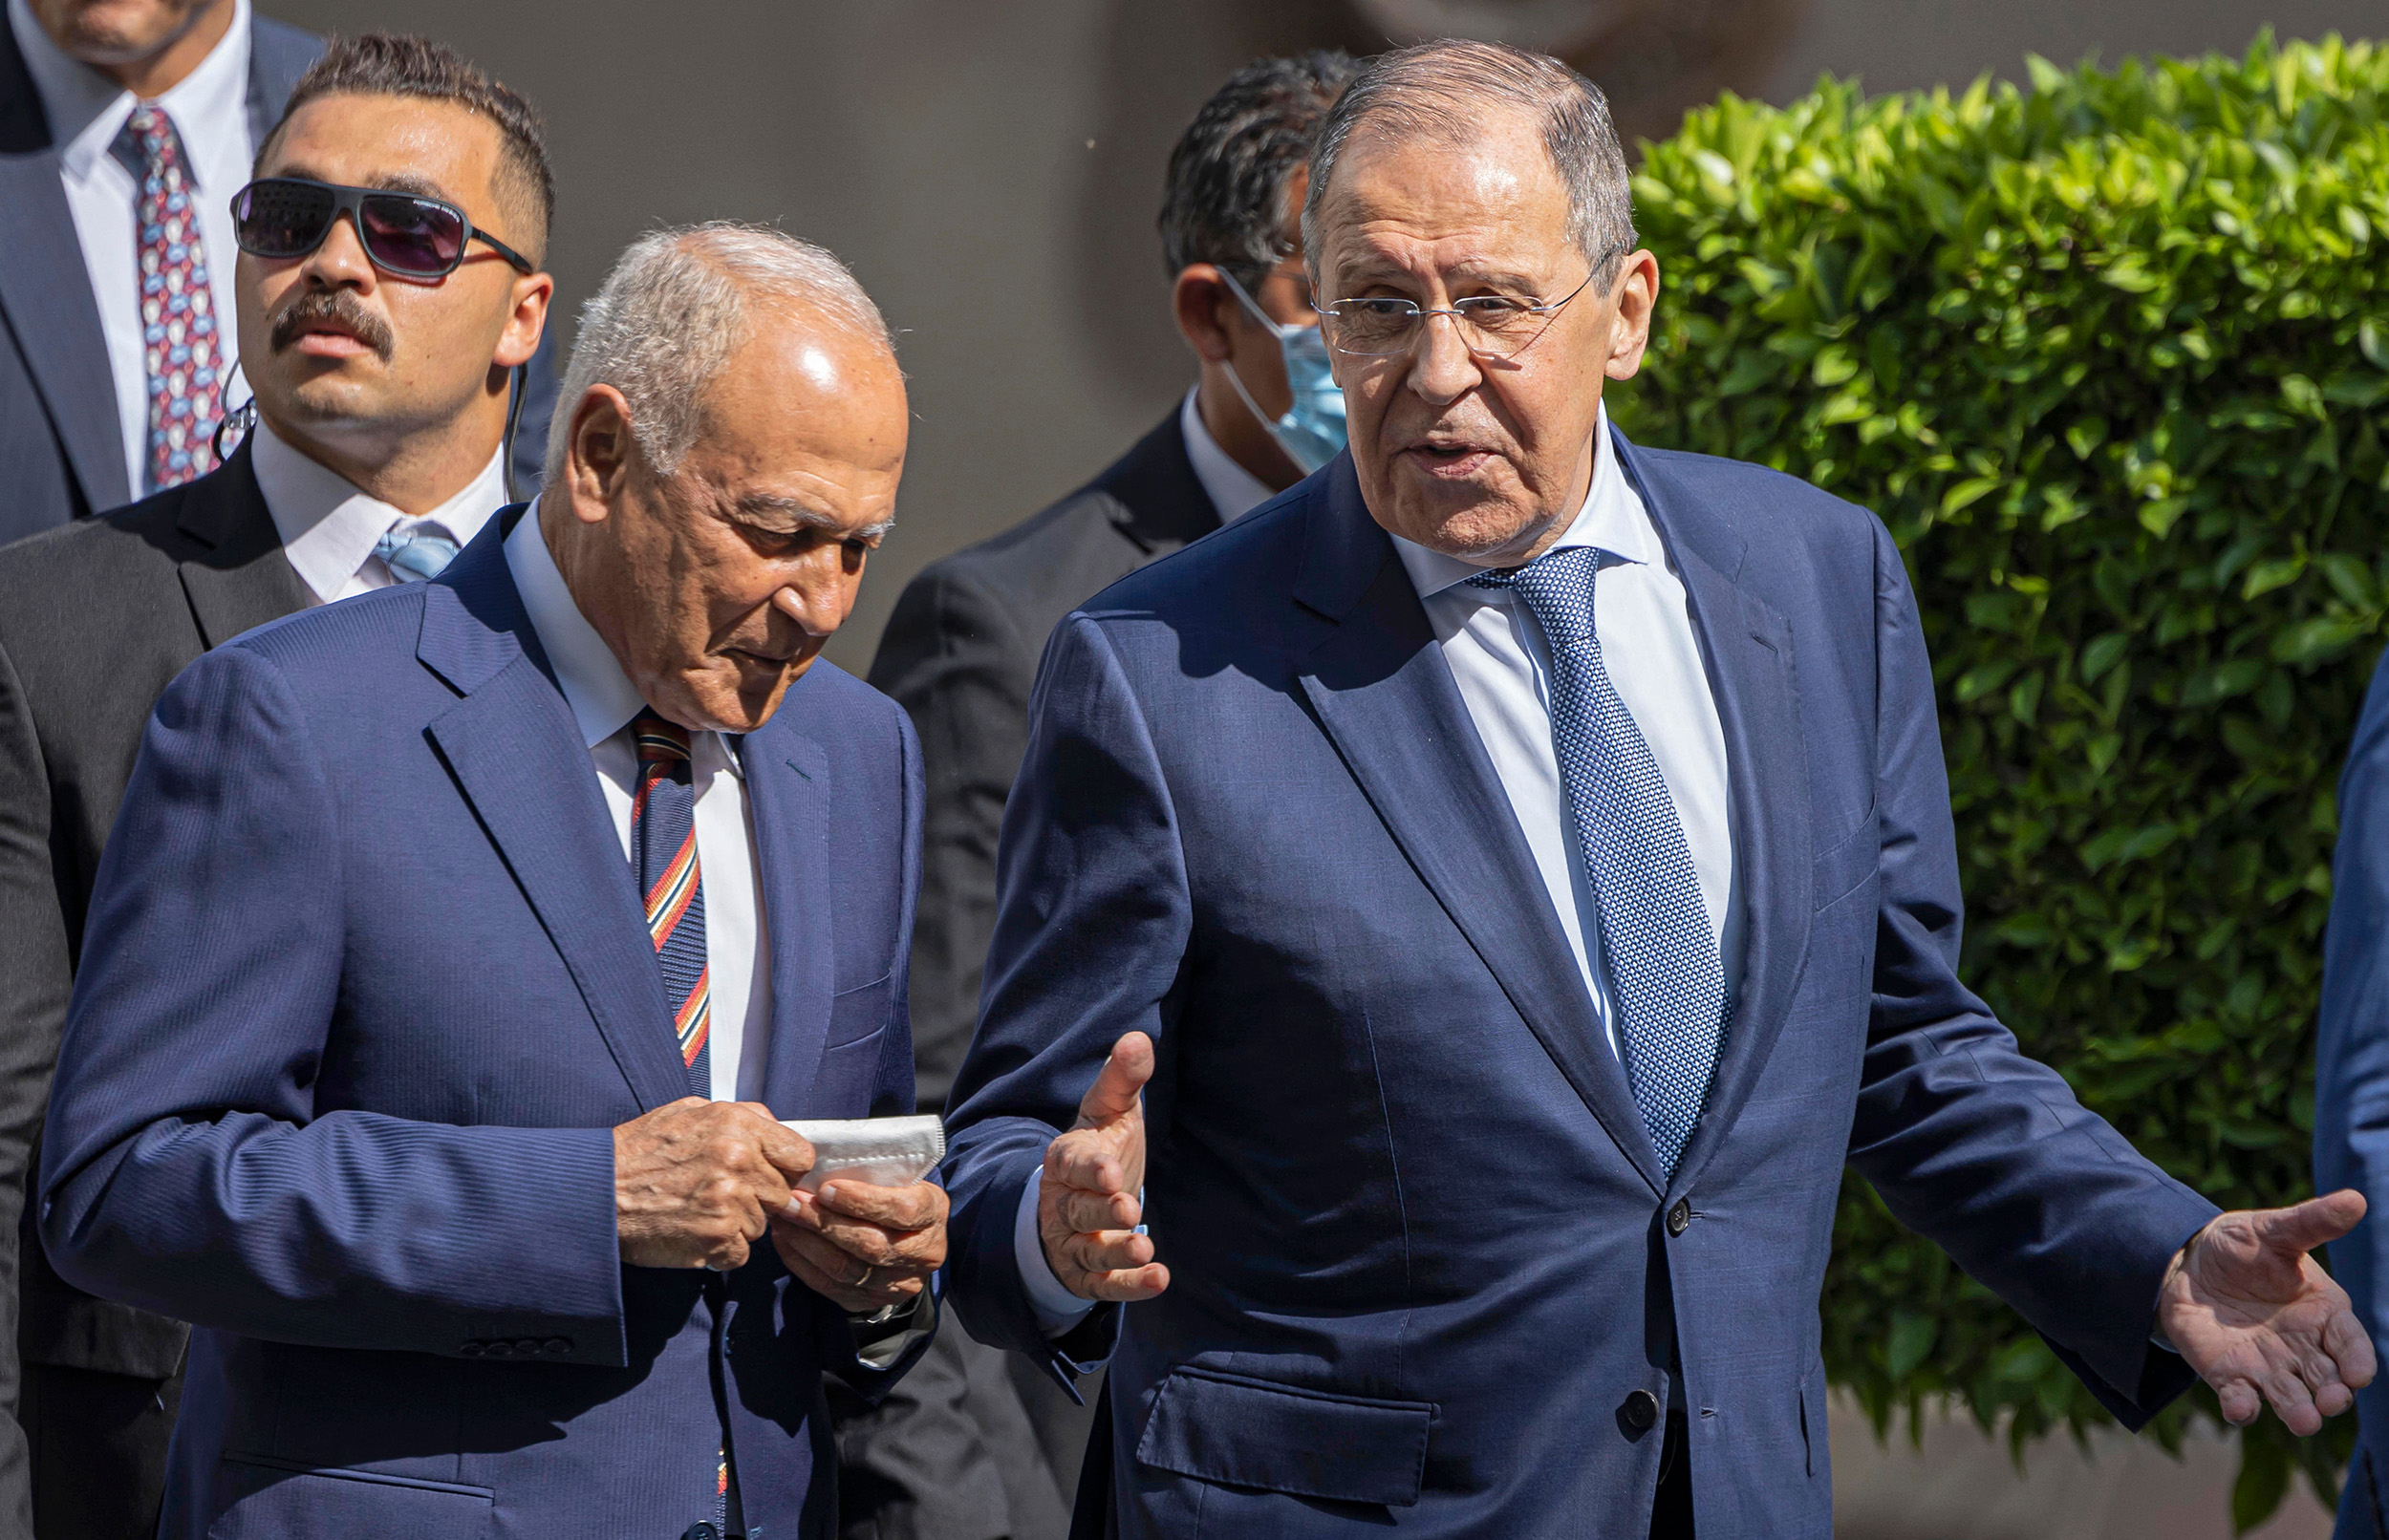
point(1667, 978)
point(663, 849)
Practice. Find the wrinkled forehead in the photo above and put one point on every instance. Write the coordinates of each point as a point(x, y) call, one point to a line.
point(1477, 197)
point(804, 388)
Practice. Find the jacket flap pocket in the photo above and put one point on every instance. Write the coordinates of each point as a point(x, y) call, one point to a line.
point(1243, 1432)
point(273, 1500)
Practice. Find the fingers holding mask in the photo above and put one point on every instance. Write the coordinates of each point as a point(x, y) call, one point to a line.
point(840, 1277)
point(862, 1246)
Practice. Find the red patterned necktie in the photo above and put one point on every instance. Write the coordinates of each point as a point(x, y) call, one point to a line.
point(180, 348)
point(663, 845)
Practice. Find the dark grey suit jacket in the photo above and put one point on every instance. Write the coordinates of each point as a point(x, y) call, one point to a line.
point(960, 653)
point(61, 441)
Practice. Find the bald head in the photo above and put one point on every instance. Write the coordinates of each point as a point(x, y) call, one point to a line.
point(724, 460)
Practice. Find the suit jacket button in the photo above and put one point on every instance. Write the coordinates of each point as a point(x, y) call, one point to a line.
point(1680, 1218)
point(701, 1530)
point(1640, 1411)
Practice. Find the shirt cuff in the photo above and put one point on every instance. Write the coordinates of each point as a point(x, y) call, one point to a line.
point(1057, 1309)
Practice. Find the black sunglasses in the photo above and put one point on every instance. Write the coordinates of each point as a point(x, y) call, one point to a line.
point(284, 218)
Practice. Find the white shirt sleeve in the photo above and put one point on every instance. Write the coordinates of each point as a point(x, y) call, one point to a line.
point(1058, 1310)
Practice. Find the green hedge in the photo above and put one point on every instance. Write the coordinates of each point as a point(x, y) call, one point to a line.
point(2111, 357)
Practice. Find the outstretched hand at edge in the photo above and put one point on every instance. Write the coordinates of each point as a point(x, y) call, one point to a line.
point(2260, 1320)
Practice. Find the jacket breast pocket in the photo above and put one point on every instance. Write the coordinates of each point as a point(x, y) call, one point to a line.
point(1241, 1432)
point(857, 1013)
point(1842, 869)
point(259, 1501)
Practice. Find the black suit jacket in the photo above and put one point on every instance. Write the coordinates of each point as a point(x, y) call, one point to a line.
point(960, 653)
point(96, 620)
point(61, 441)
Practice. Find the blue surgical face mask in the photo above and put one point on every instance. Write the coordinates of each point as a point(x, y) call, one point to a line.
point(1311, 432)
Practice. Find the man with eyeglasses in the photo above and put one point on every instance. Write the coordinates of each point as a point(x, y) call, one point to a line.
point(387, 286)
point(975, 1445)
point(1479, 989)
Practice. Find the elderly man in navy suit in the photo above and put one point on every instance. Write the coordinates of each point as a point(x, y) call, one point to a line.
point(460, 945)
point(1480, 985)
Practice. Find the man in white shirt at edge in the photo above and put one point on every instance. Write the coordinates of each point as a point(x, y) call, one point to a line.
point(93, 65)
point(382, 407)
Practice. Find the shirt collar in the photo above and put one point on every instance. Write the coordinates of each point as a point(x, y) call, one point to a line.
point(602, 697)
point(1612, 520)
point(329, 529)
point(1233, 490)
point(86, 110)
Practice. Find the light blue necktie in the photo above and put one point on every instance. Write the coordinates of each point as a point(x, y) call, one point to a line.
point(414, 555)
point(1667, 978)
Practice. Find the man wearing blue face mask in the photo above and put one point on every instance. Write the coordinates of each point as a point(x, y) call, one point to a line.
point(975, 1443)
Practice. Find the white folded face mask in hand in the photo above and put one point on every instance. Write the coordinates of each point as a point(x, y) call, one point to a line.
point(885, 1152)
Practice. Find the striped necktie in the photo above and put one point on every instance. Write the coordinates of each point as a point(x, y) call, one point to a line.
point(664, 847)
point(1666, 971)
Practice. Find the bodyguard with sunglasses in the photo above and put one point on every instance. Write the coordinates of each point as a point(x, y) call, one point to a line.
point(1477, 905)
point(379, 330)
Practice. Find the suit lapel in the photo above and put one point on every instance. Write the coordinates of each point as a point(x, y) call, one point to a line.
point(517, 756)
point(46, 292)
point(1386, 698)
point(788, 789)
point(240, 579)
point(1747, 647)
point(1162, 502)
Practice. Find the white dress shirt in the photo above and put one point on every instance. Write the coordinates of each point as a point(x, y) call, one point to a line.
point(1502, 665)
point(329, 529)
point(86, 110)
point(737, 953)
point(1233, 490)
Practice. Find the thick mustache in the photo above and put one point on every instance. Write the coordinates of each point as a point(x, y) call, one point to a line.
point(337, 306)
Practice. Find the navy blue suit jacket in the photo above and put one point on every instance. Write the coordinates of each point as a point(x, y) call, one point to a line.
point(2352, 1076)
point(1420, 1254)
point(365, 987)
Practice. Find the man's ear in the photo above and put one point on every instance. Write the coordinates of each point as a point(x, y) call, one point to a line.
point(1637, 298)
point(598, 453)
point(1201, 301)
point(525, 321)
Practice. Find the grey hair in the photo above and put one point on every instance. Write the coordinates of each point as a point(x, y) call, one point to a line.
point(674, 307)
point(1439, 91)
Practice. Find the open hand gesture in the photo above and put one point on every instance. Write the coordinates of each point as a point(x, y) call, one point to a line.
point(2257, 1317)
point(1087, 1204)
